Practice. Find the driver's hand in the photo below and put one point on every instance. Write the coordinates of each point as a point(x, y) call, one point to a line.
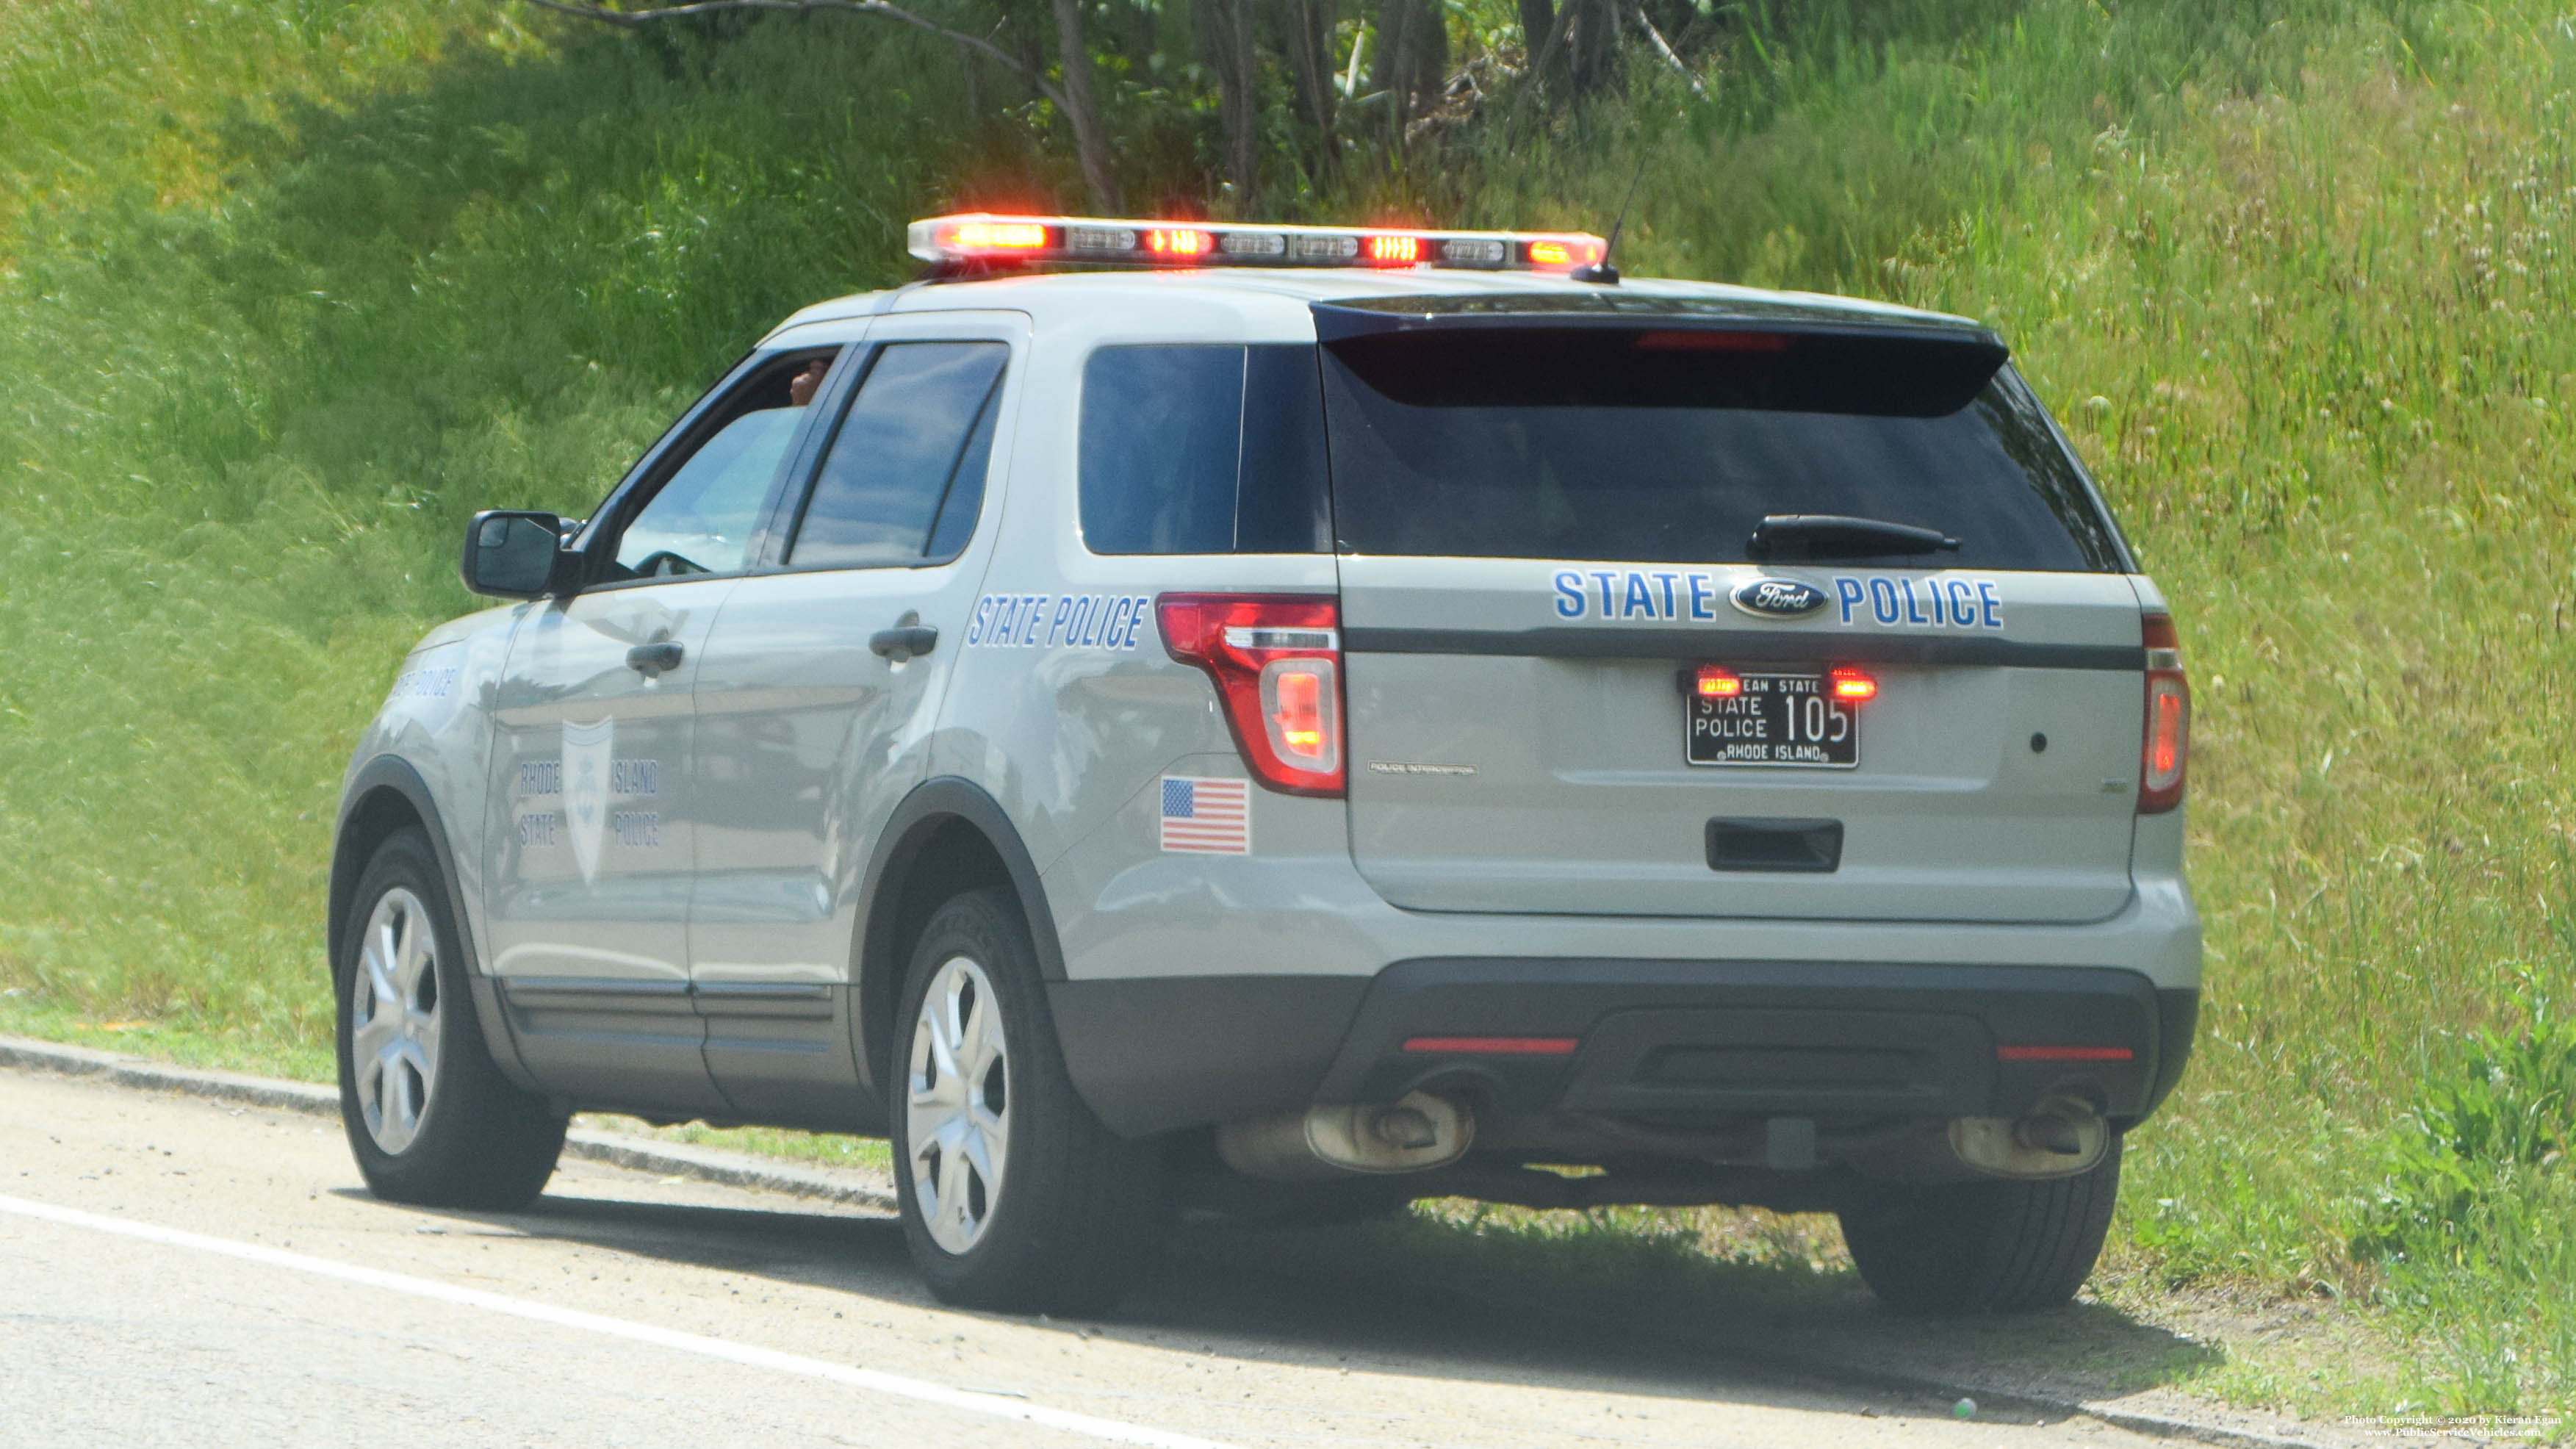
point(800, 388)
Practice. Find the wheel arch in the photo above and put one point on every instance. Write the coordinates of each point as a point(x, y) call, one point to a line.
point(385, 796)
point(947, 836)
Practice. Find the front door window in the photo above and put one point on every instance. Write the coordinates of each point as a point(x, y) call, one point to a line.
point(701, 519)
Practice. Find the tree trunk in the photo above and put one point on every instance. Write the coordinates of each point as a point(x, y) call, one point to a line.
point(1081, 112)
point(1387, 72)
point(1594, 41)
point(1226, 37)
point(1538, 22)
point(1309, 48)
point(1412, 56)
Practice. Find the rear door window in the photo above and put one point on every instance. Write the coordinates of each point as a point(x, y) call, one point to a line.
point(1203, 449)
point(903, 477)
point(1669, 446)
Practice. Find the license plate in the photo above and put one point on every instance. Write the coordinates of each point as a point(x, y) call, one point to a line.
point(1789, 720)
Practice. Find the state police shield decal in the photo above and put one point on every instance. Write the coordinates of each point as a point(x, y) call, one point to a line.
point(586, 753)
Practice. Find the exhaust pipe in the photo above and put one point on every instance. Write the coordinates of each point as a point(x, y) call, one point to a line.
point(1417, 1133)
point(2063, 1136)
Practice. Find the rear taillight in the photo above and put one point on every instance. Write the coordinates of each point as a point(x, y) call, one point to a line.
point(2168, 741)
point(1277, 663)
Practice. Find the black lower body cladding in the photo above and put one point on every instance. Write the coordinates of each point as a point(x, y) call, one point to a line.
point(1151, 1054)
point(1658, 1039)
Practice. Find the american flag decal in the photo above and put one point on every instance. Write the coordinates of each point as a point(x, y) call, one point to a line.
point(1207, 815)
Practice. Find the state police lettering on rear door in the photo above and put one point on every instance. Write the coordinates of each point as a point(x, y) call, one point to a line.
point(1058, 621)
point(1692, 596)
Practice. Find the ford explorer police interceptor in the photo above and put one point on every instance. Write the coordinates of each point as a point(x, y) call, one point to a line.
point(1296, 720)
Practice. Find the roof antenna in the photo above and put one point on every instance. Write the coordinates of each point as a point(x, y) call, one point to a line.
point(1601, 271)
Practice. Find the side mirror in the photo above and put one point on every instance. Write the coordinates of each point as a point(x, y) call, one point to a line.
point(512, 555)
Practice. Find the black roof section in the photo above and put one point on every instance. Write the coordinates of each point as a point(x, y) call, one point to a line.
point(1616, 308)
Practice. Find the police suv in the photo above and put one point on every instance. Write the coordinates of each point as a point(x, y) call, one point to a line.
point(1291, 721)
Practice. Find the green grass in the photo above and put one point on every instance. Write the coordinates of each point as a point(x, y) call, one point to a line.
point(268, 345)
point(238, 1047)
point(289, 288)
point(2299, 291)
point(825, 1149)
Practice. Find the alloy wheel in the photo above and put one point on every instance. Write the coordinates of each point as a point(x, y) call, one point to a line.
point(395, 1019)
point(957, 1117)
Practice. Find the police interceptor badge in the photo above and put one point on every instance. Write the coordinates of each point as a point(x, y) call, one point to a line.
point(1778, 598)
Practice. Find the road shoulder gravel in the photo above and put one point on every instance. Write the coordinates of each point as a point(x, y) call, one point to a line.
point(2164, 1413)
point(704, 1164)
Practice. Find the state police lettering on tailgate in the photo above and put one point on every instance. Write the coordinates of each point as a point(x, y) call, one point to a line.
point(1687, 595)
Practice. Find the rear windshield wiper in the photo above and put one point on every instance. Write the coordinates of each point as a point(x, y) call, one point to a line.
point(1795, 537)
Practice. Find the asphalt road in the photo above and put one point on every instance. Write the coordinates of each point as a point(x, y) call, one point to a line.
point(179, 1271)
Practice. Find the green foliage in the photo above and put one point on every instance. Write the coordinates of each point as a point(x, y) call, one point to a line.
point(2513, 1101)
point(2486, 1145)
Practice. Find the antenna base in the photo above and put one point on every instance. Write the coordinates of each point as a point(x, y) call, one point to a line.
point(1600, 273)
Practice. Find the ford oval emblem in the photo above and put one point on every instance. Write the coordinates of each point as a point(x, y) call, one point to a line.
point(1778, 598)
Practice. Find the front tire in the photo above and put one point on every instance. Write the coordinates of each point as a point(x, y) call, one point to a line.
point(1990, 1246)
point(1014, 1196)
point(430, 1119)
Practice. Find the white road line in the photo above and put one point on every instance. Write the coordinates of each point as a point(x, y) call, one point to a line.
point(963, 1400)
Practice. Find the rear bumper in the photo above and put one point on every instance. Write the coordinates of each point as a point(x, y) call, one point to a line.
point(1678, 1043)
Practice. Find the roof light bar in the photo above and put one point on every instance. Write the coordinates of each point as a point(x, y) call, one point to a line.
point(984, 237)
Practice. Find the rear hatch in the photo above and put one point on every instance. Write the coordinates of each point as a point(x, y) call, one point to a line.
point(1578, 683)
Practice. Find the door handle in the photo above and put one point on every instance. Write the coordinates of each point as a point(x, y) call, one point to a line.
point(654, 660)
point(904, 642)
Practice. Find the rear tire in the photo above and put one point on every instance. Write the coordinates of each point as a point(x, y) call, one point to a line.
point(430, 1119)
point(1014, 1196)
point(1991, 1246)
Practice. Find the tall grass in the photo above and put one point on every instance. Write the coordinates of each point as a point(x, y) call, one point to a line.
point(289, 288)
point(290, 291)
point(2299, 281)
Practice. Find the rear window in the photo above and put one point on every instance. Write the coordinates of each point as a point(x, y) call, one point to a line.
point(1669, 446)
point(1203, 449)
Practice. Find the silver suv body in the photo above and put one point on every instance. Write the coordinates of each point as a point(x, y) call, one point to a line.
point(1422, 727)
